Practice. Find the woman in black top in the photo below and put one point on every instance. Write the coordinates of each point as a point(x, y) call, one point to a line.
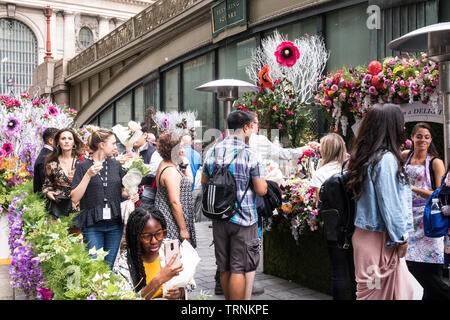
point(97, 184)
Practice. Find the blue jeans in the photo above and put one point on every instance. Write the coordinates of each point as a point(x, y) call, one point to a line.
point(105, 234)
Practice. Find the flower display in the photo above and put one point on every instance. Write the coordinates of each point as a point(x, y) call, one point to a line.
point(264, 78)
point(346, 95)
point(11, 127)
point(52, 111)
point(183, 123)
point(287, 54)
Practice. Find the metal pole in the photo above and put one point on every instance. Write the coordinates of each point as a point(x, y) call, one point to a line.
point(444, 87)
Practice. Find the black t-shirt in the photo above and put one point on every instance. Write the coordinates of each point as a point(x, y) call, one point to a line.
point(92, 202)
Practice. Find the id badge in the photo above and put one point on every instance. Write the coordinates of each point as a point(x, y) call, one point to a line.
point(106, 212)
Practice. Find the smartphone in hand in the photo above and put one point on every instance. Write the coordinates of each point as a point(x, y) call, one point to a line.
point(170, 248)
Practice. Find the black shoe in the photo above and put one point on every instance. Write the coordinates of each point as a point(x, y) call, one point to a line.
point(257, 290)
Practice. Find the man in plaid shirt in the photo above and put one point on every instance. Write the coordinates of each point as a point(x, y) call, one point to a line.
point(236, 241)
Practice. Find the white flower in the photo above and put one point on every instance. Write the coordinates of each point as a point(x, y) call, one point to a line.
point(134, 126)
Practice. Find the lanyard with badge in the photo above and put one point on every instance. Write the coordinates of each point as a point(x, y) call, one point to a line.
point(106, 208)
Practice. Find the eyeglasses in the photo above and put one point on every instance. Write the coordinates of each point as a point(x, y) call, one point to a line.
point(159, 235)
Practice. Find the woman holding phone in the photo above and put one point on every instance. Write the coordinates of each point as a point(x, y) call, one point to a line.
point(97, 184)
point(146, 229)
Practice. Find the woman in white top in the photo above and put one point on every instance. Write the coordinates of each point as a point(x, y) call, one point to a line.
point(333, 152)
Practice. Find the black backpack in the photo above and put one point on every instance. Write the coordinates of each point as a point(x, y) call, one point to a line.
point(220, 193)
point(272, 200)
point(337, 210)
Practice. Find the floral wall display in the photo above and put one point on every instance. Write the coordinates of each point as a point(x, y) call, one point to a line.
point(287, 74)
point(23, 120)
point(346, 95)
point(183, 123)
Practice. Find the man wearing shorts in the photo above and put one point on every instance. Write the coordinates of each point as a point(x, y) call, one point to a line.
point(236, 240)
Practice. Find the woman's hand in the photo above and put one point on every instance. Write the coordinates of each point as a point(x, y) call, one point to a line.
point(93, 170)
point(402, 248)
point(134, 198)
point(51, 195)
point(184, 234)
point(169, 271)
point(174, 294)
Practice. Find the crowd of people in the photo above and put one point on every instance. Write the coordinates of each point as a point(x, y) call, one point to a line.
point(389, 184)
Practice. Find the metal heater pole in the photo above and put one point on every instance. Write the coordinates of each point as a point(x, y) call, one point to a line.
point(444, 87)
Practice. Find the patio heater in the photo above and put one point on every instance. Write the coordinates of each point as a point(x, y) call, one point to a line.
point(227, 91)
point(435, 38)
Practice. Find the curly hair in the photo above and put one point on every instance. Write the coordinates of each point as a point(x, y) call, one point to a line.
point(135, 224)
point(167, 141)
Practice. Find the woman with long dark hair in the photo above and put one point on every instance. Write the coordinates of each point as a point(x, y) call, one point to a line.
point(425, 256)
point(383, 216)
point(146, 228)
point(59, 170)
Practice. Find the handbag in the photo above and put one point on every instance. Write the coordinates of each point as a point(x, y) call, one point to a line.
point(435, 224)
point(62, 208)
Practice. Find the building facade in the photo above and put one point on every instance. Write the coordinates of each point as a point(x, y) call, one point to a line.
point(74, 26)
point(160, 55)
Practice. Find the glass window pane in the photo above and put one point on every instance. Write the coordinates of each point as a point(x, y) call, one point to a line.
point(86, 37)
point(139, 108)
point(123, 110)
point(347, 38)
point(106, 118)
point(195, 73)
point(171, 90)
point(234, 58)
point(152, 94)
point(297, 30)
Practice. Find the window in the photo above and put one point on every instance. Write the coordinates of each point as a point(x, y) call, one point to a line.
point(151, 94)
point(297, 30)
point(347, 38)
point(106, 118)
point(195, 73)
point(18, 56)
point(86, 37)
point(171, 90)
point(123, 110)
point(139, 107)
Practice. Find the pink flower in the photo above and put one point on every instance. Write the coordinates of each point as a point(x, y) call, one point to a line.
point(328, 103)
point(328, 81)
point(408, 143)
point(334, 87)
point(287, 54)
point(47, 294)
point(373, 90)
point(342, 96)
point(7, 148)
point(52, 111)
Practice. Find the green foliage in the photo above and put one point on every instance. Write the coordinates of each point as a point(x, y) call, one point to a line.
point(280, 109)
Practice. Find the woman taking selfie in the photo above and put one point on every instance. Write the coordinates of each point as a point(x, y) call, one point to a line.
point(146, 228)
point(425, 255)
point(383, 216)
point(59, 169)
point(97, 184)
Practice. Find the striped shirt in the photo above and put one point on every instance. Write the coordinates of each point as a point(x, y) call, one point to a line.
point(247, 165)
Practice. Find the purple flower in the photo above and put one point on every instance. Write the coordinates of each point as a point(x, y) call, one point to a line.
point(387, 82)
point(91, 297)
point(328, 81)
point(368, 77)
point(428, 89)
point(11, 127)
point(328, 103)
point(426, 69)
point(342, 96)
point(416, 63)
point(391, 62)
point(334, 87)
point(166, 122)
point(28, 154)
point(46, 293)
point(373, 90)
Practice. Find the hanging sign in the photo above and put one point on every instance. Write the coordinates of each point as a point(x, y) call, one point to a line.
point(226, 14)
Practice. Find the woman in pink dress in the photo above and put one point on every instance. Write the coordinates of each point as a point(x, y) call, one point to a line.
point(383, 215)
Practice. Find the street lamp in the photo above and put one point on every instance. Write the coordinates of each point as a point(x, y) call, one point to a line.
point(227, 91)
point(435, 38)
point(48, 13)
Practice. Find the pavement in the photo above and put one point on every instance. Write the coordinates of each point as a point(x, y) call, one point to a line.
point(274, 288)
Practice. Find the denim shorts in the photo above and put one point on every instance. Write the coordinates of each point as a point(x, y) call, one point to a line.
point(236, 247)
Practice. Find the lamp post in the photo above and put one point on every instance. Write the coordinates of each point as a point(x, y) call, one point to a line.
point(48, 13)
point(435, 38)
point(227, 91)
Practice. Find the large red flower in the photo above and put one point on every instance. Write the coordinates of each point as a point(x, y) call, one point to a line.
point(375, 67)
point(287, 54)
point(264, 79)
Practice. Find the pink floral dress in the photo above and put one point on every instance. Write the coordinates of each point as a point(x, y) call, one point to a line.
point(421, 248)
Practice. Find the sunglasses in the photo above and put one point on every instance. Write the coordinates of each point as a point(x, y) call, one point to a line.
point(159, 235)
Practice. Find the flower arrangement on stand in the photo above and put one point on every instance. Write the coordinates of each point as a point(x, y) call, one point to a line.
point(287, 74)
point(346, 95)
point(183, 123)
